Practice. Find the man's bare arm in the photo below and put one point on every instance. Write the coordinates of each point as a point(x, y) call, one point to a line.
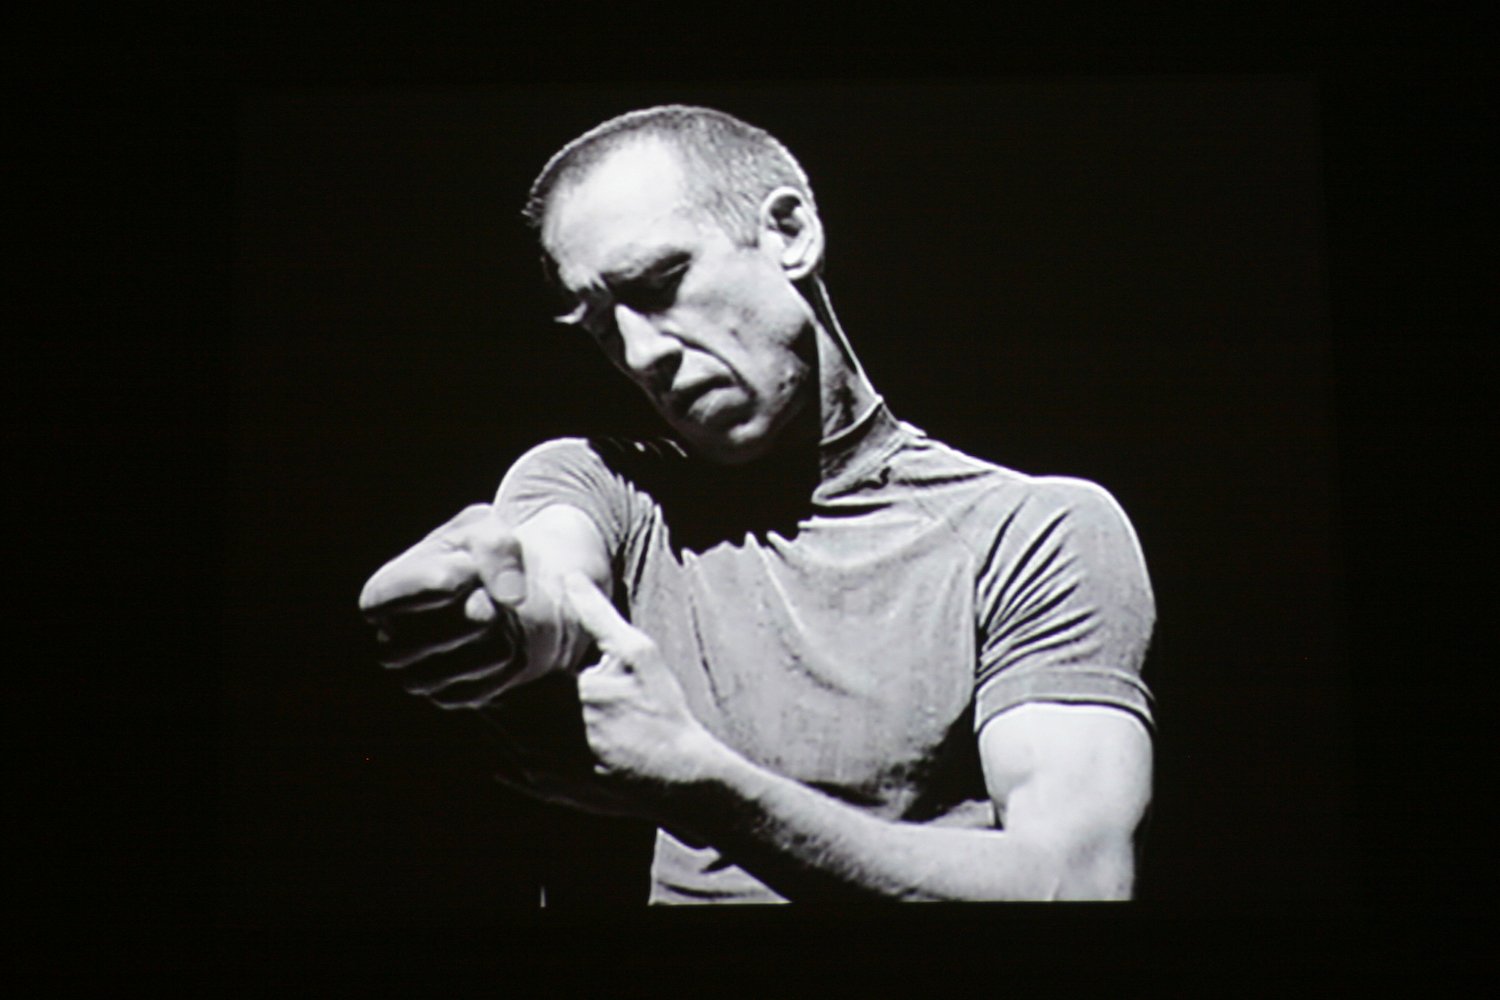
point(1070, 822)
point(1070, 785)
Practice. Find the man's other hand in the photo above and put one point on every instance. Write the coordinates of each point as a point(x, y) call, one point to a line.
point(635, 715)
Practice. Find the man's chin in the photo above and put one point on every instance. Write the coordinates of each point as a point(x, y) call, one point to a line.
point(738, 452)
point(738, 436)
point(735, 444)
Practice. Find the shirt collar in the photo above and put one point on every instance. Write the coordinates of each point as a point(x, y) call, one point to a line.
point(854, 451)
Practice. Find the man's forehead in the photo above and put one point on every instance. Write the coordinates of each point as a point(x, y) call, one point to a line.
point(634, 191)
point(639, 161)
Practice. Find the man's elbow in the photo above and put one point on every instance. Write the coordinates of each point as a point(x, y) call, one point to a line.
point(1054, 870)
point(1102, 874)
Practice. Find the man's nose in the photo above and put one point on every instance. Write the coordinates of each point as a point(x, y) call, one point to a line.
point(649, 353)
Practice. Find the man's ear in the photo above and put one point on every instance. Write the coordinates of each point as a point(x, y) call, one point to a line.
point(790, 228)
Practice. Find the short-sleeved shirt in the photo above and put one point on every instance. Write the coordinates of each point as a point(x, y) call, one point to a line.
point(853, 624)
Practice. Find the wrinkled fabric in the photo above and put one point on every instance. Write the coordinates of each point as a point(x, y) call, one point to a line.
point(853, 626)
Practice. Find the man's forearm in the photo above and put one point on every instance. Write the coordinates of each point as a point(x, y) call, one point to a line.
point(748, 811)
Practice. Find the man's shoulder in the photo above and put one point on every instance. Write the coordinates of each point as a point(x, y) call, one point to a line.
point(600, 467)
point(928, 458)
point(606, 449)
point(612, 480)
point(936, 467)
point(625, 456)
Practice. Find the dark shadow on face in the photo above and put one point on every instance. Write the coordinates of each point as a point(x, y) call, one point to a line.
point(706, 503)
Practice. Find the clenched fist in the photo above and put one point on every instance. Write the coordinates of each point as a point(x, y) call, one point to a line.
point(462, 616)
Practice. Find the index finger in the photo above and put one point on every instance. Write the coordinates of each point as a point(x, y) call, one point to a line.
point(597, 615)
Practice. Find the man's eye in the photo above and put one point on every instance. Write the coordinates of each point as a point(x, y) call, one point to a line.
point(654, 292)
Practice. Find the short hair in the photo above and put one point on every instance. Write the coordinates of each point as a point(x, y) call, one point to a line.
point(730, 166)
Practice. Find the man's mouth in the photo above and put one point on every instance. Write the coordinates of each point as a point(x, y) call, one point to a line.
point(682, 399)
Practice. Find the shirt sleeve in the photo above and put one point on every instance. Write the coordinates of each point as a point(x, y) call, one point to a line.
point(568, 471)
point(1064, 604)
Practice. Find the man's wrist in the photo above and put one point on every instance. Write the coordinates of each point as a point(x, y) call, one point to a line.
point(709, 770)
point(715, 764)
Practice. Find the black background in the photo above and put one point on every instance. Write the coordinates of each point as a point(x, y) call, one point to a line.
point(284, 320)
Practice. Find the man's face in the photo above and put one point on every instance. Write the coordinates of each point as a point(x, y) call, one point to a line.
point(714, 332)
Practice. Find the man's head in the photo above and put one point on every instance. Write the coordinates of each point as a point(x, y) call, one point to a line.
point(730, 165)
point(678, 237)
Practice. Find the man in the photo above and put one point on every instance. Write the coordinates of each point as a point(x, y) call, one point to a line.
point(852, 662)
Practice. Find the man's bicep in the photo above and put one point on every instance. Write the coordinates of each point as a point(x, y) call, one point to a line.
point(1074, 780)
point(560, 538)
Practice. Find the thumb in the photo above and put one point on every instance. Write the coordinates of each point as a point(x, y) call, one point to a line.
point(497, 556)
point(611, 633)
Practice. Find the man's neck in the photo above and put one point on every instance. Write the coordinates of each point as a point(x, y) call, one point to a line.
point(845, 395)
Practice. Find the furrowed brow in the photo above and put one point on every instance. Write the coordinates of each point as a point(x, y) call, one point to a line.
point(666, 261)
